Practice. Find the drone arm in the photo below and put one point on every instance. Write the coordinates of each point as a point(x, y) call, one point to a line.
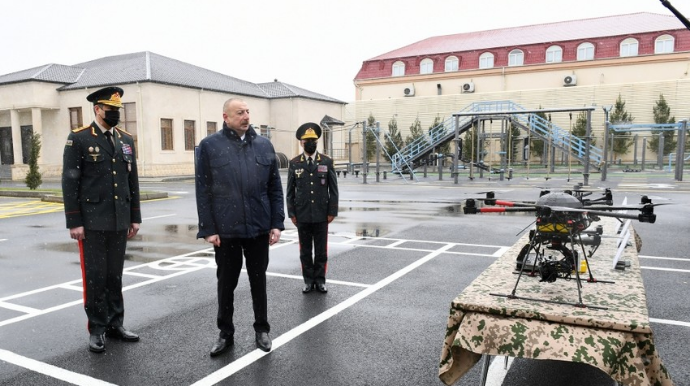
point(496, 209)
point(645, 216)
point(471, 208)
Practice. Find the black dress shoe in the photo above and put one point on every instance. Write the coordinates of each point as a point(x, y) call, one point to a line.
point(263, 341)
point(308, 288)
point(96, 343)
point(321, 288)
point(221, 346)
point(122, 334)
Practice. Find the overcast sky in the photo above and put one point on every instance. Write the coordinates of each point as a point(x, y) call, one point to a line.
point(318, 45)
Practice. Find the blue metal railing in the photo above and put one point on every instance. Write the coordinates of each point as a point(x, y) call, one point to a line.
point(529, 121)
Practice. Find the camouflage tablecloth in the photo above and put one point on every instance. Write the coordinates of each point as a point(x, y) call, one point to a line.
point(617, 340)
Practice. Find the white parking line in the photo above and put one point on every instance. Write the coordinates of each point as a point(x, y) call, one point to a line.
point(671, 322)
point(257, 354)
point(665, 269)
point(664, 258)
point(156, 217)
point(50, 370)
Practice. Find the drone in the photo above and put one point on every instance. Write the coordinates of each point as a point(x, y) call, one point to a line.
point(561, 228)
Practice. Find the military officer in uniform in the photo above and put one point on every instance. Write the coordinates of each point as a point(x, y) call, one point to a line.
point(100, 188)
point(312, 203)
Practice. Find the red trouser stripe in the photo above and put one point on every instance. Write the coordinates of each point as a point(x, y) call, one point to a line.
point(83, 275)
point(83, 272)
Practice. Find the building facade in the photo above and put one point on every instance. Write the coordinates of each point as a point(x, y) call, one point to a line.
point(169, 106)
point(576, 63)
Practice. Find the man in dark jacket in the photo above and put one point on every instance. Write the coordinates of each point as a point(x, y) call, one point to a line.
point(312, 202)
point(239, 200)
point(100, 189)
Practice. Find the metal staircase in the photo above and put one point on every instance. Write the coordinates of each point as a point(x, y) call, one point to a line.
point(533, 123)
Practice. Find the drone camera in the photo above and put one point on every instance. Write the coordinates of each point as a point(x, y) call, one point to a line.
point(470, 207)
point(645, 200)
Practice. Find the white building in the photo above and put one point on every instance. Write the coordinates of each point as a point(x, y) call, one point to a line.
point(169, 106)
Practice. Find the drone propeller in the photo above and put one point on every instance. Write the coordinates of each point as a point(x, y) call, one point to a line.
point(645, 197)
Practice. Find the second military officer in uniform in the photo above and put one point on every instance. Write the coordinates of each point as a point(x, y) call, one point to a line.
point(312, 203)
point(101, 194)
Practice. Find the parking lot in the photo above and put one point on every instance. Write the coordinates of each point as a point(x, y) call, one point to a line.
point(399, 252)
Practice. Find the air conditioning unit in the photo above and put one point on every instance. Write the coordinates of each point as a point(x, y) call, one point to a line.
point(468, 87)
point(409, 91)
point(570, 80)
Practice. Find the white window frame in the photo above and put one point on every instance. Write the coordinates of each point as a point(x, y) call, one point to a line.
point(452, 64)
point(664, 44)
point(516, 58)
point(486, 60)
point(585, 51)
point(398, 69)
point(554, 54)
point(629, 47)
point(426, 66)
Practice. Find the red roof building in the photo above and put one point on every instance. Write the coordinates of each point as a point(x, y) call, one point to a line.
point(606, 34)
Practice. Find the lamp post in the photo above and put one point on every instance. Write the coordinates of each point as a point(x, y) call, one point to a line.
point(606, 136)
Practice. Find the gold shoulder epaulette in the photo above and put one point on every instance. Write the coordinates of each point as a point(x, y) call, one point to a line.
point(123, 131)
point(77, 130)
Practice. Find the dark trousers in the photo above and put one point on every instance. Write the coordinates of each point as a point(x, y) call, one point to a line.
point(313, 235)
point(102, 255)
point(229, 262)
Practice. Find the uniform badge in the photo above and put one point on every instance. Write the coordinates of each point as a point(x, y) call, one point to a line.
point(129, 167)
point(90, 149)
point(299, 172)
point(97, 149)
point(126, 149)
point(322, 169)
point(69, 142)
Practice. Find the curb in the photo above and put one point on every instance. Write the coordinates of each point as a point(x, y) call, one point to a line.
point(48, 197)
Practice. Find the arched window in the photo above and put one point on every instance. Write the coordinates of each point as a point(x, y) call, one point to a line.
point(452, 64)
point(585, 51)
point(486, 60)
point(554, 54)
point(516, 58)
point(398, 68)
point(426, 66)
point(629, 47)
point(664, 44)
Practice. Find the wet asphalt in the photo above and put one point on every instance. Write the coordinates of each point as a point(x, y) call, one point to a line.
point(381, 323)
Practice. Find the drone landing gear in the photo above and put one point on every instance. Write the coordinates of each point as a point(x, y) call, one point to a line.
point(579, 305)
point(550, 269)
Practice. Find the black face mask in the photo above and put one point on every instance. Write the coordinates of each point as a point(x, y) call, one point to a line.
point(310, 147)
point(112, 117)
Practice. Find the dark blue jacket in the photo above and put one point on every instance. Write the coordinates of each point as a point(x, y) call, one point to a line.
point(238, 188)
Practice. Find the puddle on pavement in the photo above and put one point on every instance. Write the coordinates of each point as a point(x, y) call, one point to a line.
point(155, 243)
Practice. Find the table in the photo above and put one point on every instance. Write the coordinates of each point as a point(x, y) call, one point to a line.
point(618, 340)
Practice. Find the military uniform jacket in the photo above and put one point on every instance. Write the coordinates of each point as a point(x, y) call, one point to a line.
point(312, 192)
point(100, 187)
